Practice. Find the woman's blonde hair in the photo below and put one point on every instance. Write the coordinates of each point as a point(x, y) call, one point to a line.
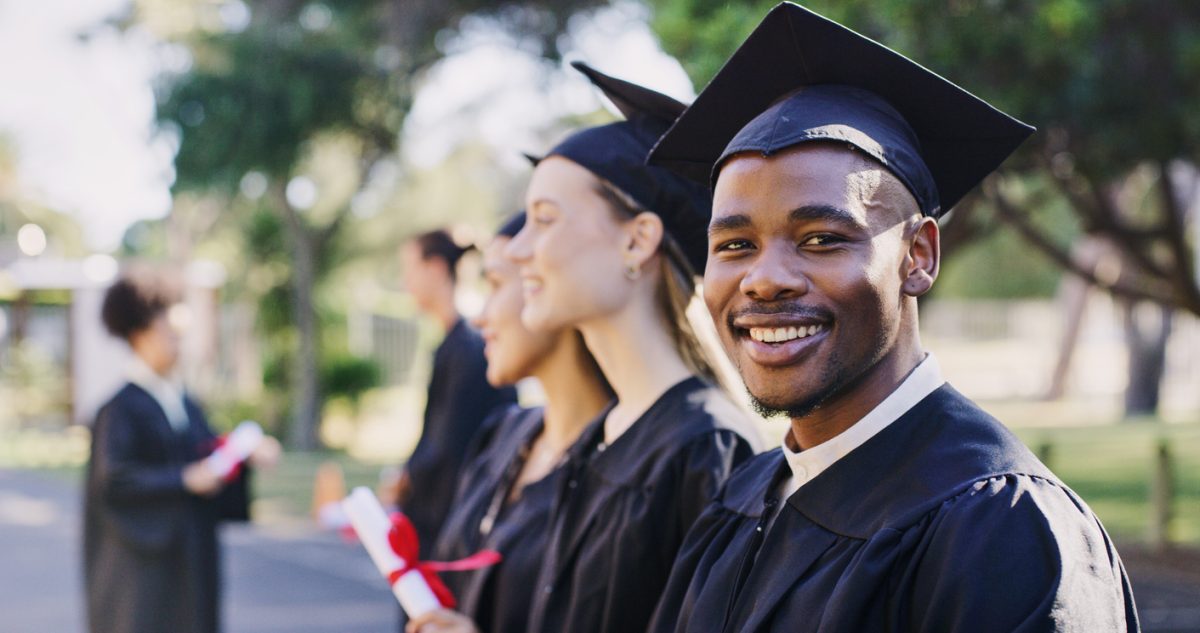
point(675, 292)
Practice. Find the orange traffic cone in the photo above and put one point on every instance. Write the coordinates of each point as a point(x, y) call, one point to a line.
point(329, 488)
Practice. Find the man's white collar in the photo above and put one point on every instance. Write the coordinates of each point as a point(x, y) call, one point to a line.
point(168, 394)
point(807, 464)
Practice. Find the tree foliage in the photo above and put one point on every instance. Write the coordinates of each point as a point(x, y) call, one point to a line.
point(1111, 85)
point(262, 98)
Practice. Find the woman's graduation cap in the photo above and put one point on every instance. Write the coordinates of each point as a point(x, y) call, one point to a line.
point(512, 225)
point(801, 77)
point(617, 152)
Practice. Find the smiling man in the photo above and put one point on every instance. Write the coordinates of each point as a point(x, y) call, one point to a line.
point(894, 504)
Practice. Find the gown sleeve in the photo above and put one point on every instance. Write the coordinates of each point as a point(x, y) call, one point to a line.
point(460, 398)
point(232, 503)
point(1018, 553)
point(120, 476)
point(485, 436)
point(678, 599)
point(707, 463)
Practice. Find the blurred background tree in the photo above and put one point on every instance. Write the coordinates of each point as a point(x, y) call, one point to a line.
point(1107, 187)
point(287, 114)
point(289, 83)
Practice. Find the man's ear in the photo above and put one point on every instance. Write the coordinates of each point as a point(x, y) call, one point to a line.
point(924, 257)
point(644, 234)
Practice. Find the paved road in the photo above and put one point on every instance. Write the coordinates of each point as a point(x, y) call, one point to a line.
point(1167, 589)
point(299, 581)
point(276, 580)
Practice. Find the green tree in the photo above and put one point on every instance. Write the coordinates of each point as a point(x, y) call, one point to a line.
point(1111, 85)
point(260, 99)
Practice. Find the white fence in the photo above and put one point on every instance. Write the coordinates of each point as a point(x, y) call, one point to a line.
point(1006, 350)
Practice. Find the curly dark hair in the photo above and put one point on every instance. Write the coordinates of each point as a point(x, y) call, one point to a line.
point(133, 302)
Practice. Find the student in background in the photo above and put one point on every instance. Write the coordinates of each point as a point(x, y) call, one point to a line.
point(460, 397)
point(151, 555)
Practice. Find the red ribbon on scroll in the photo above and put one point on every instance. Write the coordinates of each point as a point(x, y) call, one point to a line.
point(403, 539)
point(217, 445)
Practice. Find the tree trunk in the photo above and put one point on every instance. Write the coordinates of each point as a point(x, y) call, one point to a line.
point(305, 386)
point(18, 328)
point(1073, 294)
point(1147, 328)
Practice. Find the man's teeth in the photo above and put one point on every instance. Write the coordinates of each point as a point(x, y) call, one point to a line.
point(782, 334)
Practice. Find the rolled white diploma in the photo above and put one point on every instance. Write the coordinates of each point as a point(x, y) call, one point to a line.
point(372, 525)
point(237, 448)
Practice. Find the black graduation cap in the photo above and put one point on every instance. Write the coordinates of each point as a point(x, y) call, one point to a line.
point(617, 152)
point(801, 77)
point(512, 225)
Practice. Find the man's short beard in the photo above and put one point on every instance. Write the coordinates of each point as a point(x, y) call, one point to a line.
point(836, 376)
point(802, 408)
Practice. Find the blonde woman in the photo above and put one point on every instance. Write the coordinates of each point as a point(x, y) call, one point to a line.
point(611, 248)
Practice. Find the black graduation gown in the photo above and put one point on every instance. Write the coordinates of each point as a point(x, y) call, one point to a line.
point(623, 510)
point(942, 522)
point(497, 598)
point(151, 557)
point(460, 398)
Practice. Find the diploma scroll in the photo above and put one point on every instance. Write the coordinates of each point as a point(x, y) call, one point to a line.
point(373, 527)
point(237, 447)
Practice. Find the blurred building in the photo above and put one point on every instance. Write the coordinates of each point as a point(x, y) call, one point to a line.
point(53, 344)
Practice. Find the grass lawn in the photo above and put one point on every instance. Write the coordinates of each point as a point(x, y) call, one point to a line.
point(1110, 467)
point(287, 490)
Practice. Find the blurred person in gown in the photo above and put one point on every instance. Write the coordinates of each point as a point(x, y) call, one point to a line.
point(459, 398)
point(151, 553)
point(508, 485)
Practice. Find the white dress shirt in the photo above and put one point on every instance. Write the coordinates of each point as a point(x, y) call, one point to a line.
point(808, 463)
point(166, 392)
